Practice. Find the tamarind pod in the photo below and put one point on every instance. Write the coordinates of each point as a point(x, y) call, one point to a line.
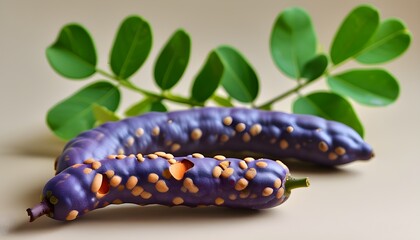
point(213, 129)
point(191, 181)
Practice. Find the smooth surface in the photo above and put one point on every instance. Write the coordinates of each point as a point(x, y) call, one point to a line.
point(365, 200)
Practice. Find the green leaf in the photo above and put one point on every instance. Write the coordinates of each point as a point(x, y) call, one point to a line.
point(315, 67)
point(103, 114)
point(73, 54)
point(356, 30)
point(330, 106)
point(208, 79)
point(75, 114)
point(146, 105)
point(390, 41)
point(293, 41)
point(221, 101)
point(132, 45)
point(374, 87)
point(173, 60)
point(239, 78)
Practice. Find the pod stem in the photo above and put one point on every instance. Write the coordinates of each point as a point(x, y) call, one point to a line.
point(39, 210)
point(292, 183)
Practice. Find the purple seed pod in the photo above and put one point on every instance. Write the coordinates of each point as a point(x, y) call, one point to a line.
point(212, 129)
point(160, 178)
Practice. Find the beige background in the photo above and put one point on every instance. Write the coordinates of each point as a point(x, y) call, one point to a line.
point(379, 199)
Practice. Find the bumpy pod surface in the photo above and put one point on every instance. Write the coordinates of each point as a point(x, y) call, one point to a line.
point(157, 179)
point(209, 129)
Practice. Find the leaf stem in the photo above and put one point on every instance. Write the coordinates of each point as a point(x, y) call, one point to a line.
point(284, 95)
point(164, 95)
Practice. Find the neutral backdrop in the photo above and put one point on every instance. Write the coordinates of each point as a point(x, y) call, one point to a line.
point(378, 199)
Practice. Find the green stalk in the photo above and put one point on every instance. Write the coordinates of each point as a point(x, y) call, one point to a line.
point(292, 183)
point(165, 95)
point(284, 95)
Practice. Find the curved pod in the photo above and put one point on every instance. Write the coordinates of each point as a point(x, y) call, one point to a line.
point(209, 129)
point(161, 179)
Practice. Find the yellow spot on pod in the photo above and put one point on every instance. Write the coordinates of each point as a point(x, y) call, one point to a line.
point(340, 151)
point(109, 173)
point(77, 165)
point(332, 156)
point(172, 161)
point(152, 156)
point(241, 184)
point(246, 137)
point(227, 172)
point(323, 146)
point(277, 183)
point(196, 134)
point(160, 154)
point(145, 195)
point(115, 181)
point(140, 157)
point(261, 164)
point(224, 138)
point(96, 183)
point(251, 173)
point(130, 141)
point(219, 157)
point(189, 184)
point(240, 127)
point(120, 151)
point(178, 200)
point(72, 215)
point(155, 131)
point(139, 132)
point(267, 191)
point(87, 170)
point(280, 193)
point(112, 156)
point(283, 144)
point(161, 186)
point(227, 121)
point(175, 147)
point(290, 129)
point(197, 155)
point(153, 178)
point(249, 159)
point(232, 196)
point(137, 191)
point(224, 164)
point(255, 129)
point(96, 165)
point(89, 161)
point(131, 182)
point(217, 171)
point(243, 165)
point(121, 156)
point(219, 201)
